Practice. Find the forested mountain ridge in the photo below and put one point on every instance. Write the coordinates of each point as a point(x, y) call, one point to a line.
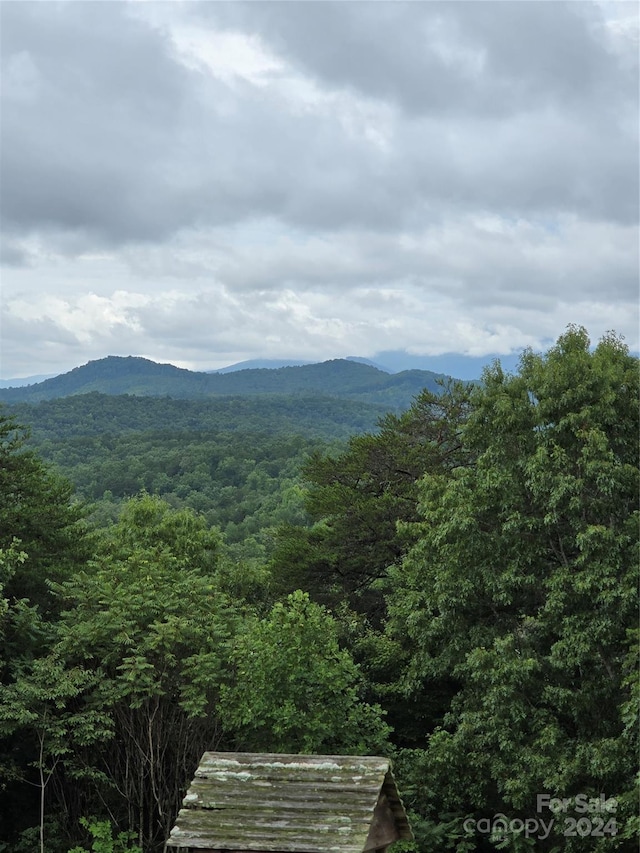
point(142, 377)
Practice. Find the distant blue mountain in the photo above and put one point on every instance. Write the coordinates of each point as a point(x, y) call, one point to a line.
point(396, 361)
point(276, 363)
point(25, 380)
point(453, 364)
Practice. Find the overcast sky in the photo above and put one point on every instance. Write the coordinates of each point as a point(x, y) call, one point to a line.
point(202, 183)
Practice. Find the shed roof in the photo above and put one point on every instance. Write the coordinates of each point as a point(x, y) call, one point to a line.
point(286, 803)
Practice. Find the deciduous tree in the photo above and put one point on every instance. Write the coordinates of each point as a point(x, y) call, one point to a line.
point(522, 588)
point(149, 618)
point(292, 689)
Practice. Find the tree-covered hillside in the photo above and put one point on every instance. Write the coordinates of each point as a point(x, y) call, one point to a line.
point(312, 415)
point(237, 460)
point(456, 589)
point(340, 378)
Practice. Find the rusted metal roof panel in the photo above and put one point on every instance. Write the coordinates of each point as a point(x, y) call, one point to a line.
point(285, 803)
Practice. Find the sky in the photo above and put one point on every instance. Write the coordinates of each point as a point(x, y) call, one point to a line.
point(207, 182)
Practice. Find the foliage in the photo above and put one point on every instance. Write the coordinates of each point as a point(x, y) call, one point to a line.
point(103, 840)
point(148, 617)
point(37, 511)
point(14, 615)
point(42, 537)
point(294, 690)
point(245, 481)
point(478, 554)
point(41, 700)
point(95, 414)
point(357, 497)
point(28, 840)
point(521, 586)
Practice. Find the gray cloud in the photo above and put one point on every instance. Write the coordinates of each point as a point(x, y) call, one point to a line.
point(472, 164)
point(85, 145)
point(12, 255)
point(117, 138)
point(487, 59)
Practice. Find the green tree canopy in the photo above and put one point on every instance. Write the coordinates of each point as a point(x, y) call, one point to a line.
point(357, 497)
point(42, 537)
point(117, 709)
point(37, 510)
point(522, 589)
point(148, 616)
point(292, 688)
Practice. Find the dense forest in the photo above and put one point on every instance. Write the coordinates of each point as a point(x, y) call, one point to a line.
point(452, 584)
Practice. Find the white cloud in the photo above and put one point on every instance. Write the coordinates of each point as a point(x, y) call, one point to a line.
point(203, 183)
point(227, 55)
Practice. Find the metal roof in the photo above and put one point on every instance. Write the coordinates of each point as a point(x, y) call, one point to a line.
point(286, 803)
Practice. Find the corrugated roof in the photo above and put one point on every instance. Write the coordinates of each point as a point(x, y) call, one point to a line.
point(288, 803)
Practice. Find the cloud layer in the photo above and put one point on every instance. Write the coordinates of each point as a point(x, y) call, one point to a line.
point(202, 183)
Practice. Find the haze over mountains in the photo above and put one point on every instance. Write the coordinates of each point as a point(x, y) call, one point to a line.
point(19, 381)
point(344, 378)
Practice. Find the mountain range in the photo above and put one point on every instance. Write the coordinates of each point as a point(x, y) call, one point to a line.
point(343, 378)
point(465, 367)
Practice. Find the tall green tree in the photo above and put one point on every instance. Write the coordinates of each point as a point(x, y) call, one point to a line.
point(521, 590)
point(40, 706)
point(42, 538)
point(149, 618)
point(37, 509)
point(292, 689)
point(356, 499)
